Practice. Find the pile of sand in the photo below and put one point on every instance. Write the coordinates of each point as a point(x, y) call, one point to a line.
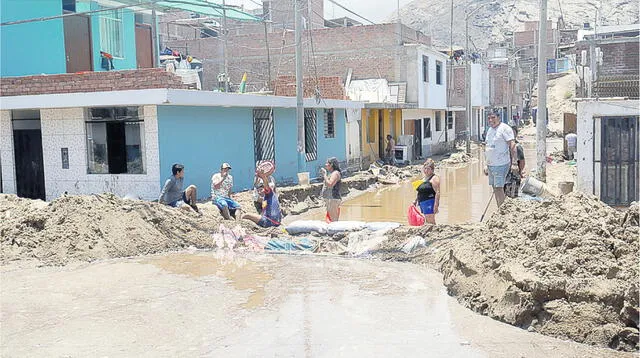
point(457, 159)
point(566, 268)
point(87, 228)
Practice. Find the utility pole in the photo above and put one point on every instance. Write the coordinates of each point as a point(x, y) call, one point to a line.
point(302, 164)
point(467, 80)
point(225, 33)
point(541, 123)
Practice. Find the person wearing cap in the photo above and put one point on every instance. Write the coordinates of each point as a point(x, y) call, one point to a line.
point(221, 184)
point(271, 214)
point(172, 193)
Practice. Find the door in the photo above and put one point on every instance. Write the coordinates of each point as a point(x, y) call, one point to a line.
point(417, 139)
point(144, 46)
point(619, 173)
point(381, 136)
point(29, 163)
point(77, 43)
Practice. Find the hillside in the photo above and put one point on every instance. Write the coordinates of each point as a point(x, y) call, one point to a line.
point(497, 17)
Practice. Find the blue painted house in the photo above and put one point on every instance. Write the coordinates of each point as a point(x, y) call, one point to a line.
point(37, 39)
point(125, 142)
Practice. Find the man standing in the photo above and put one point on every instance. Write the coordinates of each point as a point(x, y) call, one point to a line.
point(221, 184)
point(172, 193)
point(389, 151)
point(572, 145)
point(500, 154)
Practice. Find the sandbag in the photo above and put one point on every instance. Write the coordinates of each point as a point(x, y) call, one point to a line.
point(381, 225)
point(414, 217)
point(413, 243)
point(342, 226)
point(365, 242)
point(306, 226)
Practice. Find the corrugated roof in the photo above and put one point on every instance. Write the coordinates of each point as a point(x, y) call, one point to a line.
point(213, 8)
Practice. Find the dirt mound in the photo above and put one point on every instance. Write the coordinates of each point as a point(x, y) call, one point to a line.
point(88, 228)
point(457, 159)
point(566, 268)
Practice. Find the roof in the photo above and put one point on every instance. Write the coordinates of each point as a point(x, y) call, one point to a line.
point(213, 8)
point(164, 96)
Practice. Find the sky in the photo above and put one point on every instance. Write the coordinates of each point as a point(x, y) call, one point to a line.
point(374, 10)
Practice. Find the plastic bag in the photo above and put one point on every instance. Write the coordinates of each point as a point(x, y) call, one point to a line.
point(414, 216)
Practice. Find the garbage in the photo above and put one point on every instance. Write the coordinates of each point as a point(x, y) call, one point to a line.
point(414, 217)
point(303, 244)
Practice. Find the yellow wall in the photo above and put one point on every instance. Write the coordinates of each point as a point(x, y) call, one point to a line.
point(370, 132)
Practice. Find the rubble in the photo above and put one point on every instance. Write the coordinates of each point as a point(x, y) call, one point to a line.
point(457, 159)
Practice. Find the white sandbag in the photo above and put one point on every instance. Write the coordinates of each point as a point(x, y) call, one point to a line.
point(381, 225)
point(342, 226)
point(307, 226)
point(365, 241)
point(413, 243)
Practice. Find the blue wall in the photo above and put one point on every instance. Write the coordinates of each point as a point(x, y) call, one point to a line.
point(129, 60)
point(35, 47)
point(202, 138)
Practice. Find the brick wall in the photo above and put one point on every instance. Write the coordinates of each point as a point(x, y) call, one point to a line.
point(458, 90)
point(330, 87)
point(89, 82)
point(371, 51)
point(498, 87)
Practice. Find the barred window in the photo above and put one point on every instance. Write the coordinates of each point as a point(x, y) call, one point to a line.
point(111, 32)
point(310, 135)
point(427, 127)
point(329, 123)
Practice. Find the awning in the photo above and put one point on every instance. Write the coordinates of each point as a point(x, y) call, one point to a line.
point(213, 8)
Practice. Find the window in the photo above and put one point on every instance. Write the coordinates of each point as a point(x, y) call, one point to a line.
point(69, 5)
point(205, 33)
point(438, 72)
point(450, 119)
point(438, 121)
point(111, 32)
point(310, 135)
point(427, 127)
point(263, 134)
point(115, 138)
point(425, 68)
point(329, 123)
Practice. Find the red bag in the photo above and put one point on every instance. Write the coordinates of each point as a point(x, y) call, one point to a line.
point(414, 216)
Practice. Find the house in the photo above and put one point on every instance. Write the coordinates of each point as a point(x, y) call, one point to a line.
point(125, 141)
point(479, 99)
point(608, 150)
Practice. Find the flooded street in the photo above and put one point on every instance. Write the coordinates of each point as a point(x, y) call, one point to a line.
point(228, 305)
point(465, 193)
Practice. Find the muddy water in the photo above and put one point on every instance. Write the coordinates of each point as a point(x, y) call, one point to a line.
point(230, 305)
point(464, 196)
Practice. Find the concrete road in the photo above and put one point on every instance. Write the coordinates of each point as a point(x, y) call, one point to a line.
point(225, 305)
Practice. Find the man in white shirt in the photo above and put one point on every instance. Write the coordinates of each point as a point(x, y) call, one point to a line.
point(500, 154)
point(572, 144)
point(221, 185)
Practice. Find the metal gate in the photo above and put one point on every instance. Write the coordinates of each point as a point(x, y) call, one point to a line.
point(263, 134)
point(619, 171)
point(310, 135)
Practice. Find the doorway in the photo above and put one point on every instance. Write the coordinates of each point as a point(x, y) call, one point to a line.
point(77, 43)
point(144, 46)
point(29, 163)
point(417, 139)
point(619, 174)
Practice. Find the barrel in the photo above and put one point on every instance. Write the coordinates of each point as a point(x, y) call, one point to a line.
point(533, 186)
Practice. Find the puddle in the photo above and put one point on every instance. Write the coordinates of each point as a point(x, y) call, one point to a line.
point(241, 273)
point(464, 195)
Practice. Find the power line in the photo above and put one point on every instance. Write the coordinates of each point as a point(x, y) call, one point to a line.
point(351, 12)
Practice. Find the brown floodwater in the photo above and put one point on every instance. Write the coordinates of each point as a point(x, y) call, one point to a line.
point(464, 195)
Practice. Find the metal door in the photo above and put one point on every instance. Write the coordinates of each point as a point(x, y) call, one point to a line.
point(619, 173)
point(77, 43)
point(29, 163)
point(263, 134)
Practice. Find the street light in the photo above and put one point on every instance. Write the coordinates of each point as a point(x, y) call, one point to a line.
point(509, 90)
point(467, 71)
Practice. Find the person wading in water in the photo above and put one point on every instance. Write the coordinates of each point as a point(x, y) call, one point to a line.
point(428, 199)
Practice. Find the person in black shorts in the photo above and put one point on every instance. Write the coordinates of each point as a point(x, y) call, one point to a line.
point(428, 199)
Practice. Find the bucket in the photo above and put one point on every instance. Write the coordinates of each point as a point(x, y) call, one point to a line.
point(565, 187)
point(303, 178)
point(535, 187)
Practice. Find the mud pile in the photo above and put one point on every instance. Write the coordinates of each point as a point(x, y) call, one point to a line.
point(456, 160)
point(87, 228)
point(567, 268)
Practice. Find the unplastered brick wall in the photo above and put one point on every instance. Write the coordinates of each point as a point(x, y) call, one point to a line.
point(329, 87)
point(372, 51)
point(90, 82)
